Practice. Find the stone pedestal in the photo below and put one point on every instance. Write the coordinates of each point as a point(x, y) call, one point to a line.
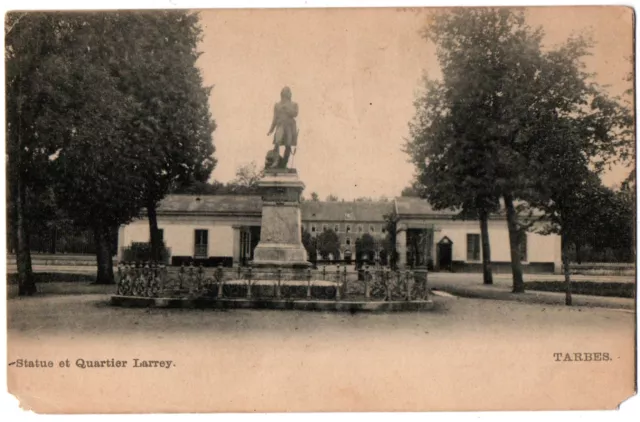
point(280, 234)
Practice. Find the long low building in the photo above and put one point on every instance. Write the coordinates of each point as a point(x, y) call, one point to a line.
point(225, 229)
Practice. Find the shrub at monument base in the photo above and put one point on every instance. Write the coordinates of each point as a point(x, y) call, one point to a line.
point(141, 252)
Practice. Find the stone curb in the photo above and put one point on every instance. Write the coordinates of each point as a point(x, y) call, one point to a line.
point(299, 305)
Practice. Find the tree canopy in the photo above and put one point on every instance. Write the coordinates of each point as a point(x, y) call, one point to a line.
point(366, 247)
point(310, 245)
point(477, 130)
point(328, 243)
point(108, 110)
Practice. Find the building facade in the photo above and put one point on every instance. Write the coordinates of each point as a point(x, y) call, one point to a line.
point(350, 221)
point(215, 229)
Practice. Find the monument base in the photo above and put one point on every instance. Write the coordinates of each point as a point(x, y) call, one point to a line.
point(281, 227)
point(280, 255)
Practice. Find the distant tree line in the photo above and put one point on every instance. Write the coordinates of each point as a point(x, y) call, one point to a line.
point(245, 183)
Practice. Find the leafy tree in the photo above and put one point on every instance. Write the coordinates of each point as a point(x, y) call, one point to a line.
point(328, 242)
point(65, 124)
point(34, 42)
point(310, 245)
point(201, 188)
point(389, 244)
point(609, 237)
point(365, 246)
point(629, 183)
point(332, 198)
point(246, 181)
point(410, 192)
point(475, 131)
point(156, 68)
point(214, 188)
point(248, 175)
point(571, 197)
point(465, 126)
point(91, 92)
point(315, 197)
point(577, 136)
point(454, 169)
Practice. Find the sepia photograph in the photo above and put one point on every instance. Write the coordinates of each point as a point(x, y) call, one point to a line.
point(389, 209)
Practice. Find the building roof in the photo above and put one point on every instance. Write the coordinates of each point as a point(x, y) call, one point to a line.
point(345, 211)
point(311, 210)
point(210, 204)
point(418, 206)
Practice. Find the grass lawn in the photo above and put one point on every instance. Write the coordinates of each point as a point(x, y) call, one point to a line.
point(591, 288)
point(46, 277)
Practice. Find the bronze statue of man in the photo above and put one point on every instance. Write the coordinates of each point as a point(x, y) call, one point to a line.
point(286, 131)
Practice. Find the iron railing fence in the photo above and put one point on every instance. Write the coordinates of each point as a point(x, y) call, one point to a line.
point(370, 283)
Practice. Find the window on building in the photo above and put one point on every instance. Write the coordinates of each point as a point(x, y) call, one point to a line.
point(324, 228)
point(348, 241)
point(473, 247)
point(384, 230)
point(372, 229)
point(201, 249)
point(348, 229)
point(313, 229)
point(360, 228)
point(523, 247)
point(336, 228)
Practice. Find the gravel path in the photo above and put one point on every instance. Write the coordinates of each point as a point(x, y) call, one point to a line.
point(466, 354)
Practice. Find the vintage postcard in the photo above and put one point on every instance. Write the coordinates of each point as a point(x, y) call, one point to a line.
point(320, 210)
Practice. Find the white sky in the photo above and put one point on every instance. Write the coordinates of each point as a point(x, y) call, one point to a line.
point(354, 74)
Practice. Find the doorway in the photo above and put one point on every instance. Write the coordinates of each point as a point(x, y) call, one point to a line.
point(445, 254)
point(245, 246)
point(249, 239)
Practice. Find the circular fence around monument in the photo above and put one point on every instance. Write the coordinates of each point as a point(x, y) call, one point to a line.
point(369, 284)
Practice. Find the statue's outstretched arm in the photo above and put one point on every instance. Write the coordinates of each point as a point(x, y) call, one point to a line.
point(274, 122)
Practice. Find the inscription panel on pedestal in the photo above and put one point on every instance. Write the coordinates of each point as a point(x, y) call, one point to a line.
point(280, 225)
point(281, 194)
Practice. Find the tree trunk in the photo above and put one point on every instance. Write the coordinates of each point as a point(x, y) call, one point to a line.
point(154, 234)
point(514, 237)
point(52, 244)
point(26, 281)
point(487, 275)
point(567, 273)
point(578, 254)
point(104, 255)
